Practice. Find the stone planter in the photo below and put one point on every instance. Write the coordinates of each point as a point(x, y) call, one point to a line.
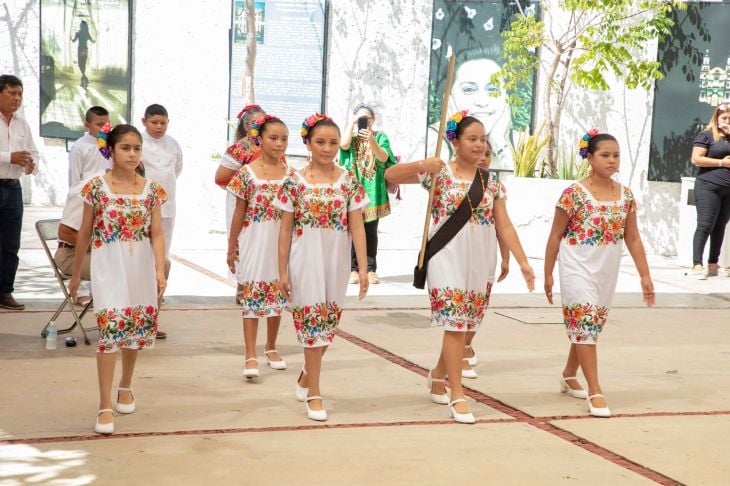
point(531, 207)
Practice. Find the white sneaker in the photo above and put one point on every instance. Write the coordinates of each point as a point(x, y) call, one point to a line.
point(354, 278)
point(698, 272)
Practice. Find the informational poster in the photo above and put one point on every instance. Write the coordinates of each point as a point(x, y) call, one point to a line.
point(695, 58)
point(85, 62)
point(472, 31)
point(289, 70)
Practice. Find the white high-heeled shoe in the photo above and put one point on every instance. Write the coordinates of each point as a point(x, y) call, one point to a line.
point(565, 388)
point(300, 391)
point(318, 415)
point(462, 418)
point(250, 372)
point(435, 398)
point(596, 411)
point(473, 361)
point(471, 374)
point(125, 407)
point(275, 365)
point(105, 429)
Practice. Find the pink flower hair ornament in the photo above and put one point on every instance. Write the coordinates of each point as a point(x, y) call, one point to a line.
point(256, 128)
point(310, 122)
point(101, 140)
point(247, 108)
point(452, 124)
point(583, 144)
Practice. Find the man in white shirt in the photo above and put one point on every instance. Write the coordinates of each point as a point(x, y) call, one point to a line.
point(68, 230)
point(162, 161)
point(18, 156)
point(84, 158)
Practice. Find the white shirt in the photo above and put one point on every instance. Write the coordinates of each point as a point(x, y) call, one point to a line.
point(84, 159)
point(163, 163)
point(15, 137)
point(73, 210)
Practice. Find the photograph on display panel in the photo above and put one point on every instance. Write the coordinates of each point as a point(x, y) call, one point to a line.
point(472, 31)
point(695, 59)
point(85, 61)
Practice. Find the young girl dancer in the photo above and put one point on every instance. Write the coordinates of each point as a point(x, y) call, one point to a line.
point(460, 276)
point(592, 218)
point(232, 161)
point(470, 356)
point(253, 239)
point(122, 222)
point(321, 209)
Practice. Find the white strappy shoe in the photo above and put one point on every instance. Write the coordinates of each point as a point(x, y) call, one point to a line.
point(442, 399)
point(473, 361)
point(300, 391)
point(105, 429)
point(462, 418)
point(595, 411)
point(250, 372)
point(470, 373)
point(125, 407)
point(318, 415)
point(275, 365)
point(565, 388)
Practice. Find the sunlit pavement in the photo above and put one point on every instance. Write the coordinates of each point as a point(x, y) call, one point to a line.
point(664, 372)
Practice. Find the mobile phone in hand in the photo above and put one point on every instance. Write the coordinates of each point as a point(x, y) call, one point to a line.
point(362, 123)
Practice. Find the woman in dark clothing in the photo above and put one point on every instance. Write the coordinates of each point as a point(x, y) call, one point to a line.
point(711, 153)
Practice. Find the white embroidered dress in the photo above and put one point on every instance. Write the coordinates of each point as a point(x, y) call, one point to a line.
point(257, 270)
point(590, 258)
point(319, 259)
point(123, 280)
point(460, 276)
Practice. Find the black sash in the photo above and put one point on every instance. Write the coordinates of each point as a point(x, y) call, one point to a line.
point(451, 227)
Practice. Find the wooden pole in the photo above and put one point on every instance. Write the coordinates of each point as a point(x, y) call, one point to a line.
point(439, 142)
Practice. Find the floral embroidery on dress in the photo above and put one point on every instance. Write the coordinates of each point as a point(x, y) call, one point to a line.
point(459, 309)
point(584, 322)
point(241, 153)
point(316, 324)
point(262, 299)
point(259, 197)
point(450, 192)
point(121, 217)
point(130, 327)
point(594, 223)
point(321, 206)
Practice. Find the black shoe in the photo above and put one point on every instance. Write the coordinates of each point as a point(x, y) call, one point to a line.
point(8, 302)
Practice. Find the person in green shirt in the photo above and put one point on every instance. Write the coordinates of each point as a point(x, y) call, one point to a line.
point(367, 154)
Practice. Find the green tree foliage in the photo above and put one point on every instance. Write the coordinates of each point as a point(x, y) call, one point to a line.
point(586, 40)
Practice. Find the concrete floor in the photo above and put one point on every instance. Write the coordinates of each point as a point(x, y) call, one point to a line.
point(665, 372)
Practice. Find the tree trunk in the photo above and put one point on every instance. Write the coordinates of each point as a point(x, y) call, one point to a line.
point(247, 90)
point(549, 122)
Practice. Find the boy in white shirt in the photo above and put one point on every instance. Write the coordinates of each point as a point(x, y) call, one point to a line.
point(162, 161)
point(84, 158)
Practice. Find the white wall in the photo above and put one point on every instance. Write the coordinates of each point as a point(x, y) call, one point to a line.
point(378, 52)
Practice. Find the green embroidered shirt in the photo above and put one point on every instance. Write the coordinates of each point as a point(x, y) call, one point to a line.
point(371, 173)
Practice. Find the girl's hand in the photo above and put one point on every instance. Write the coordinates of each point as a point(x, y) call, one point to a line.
point(529, 275)
point(231, 258)
point(433, 165)
point(549, 288)
point(647, 288)
point(504, 271)
point(285, 286)
point(161, 284)
point(364, 284)
point(73, 286)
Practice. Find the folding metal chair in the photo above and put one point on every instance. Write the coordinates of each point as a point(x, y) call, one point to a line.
point(47, 230)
